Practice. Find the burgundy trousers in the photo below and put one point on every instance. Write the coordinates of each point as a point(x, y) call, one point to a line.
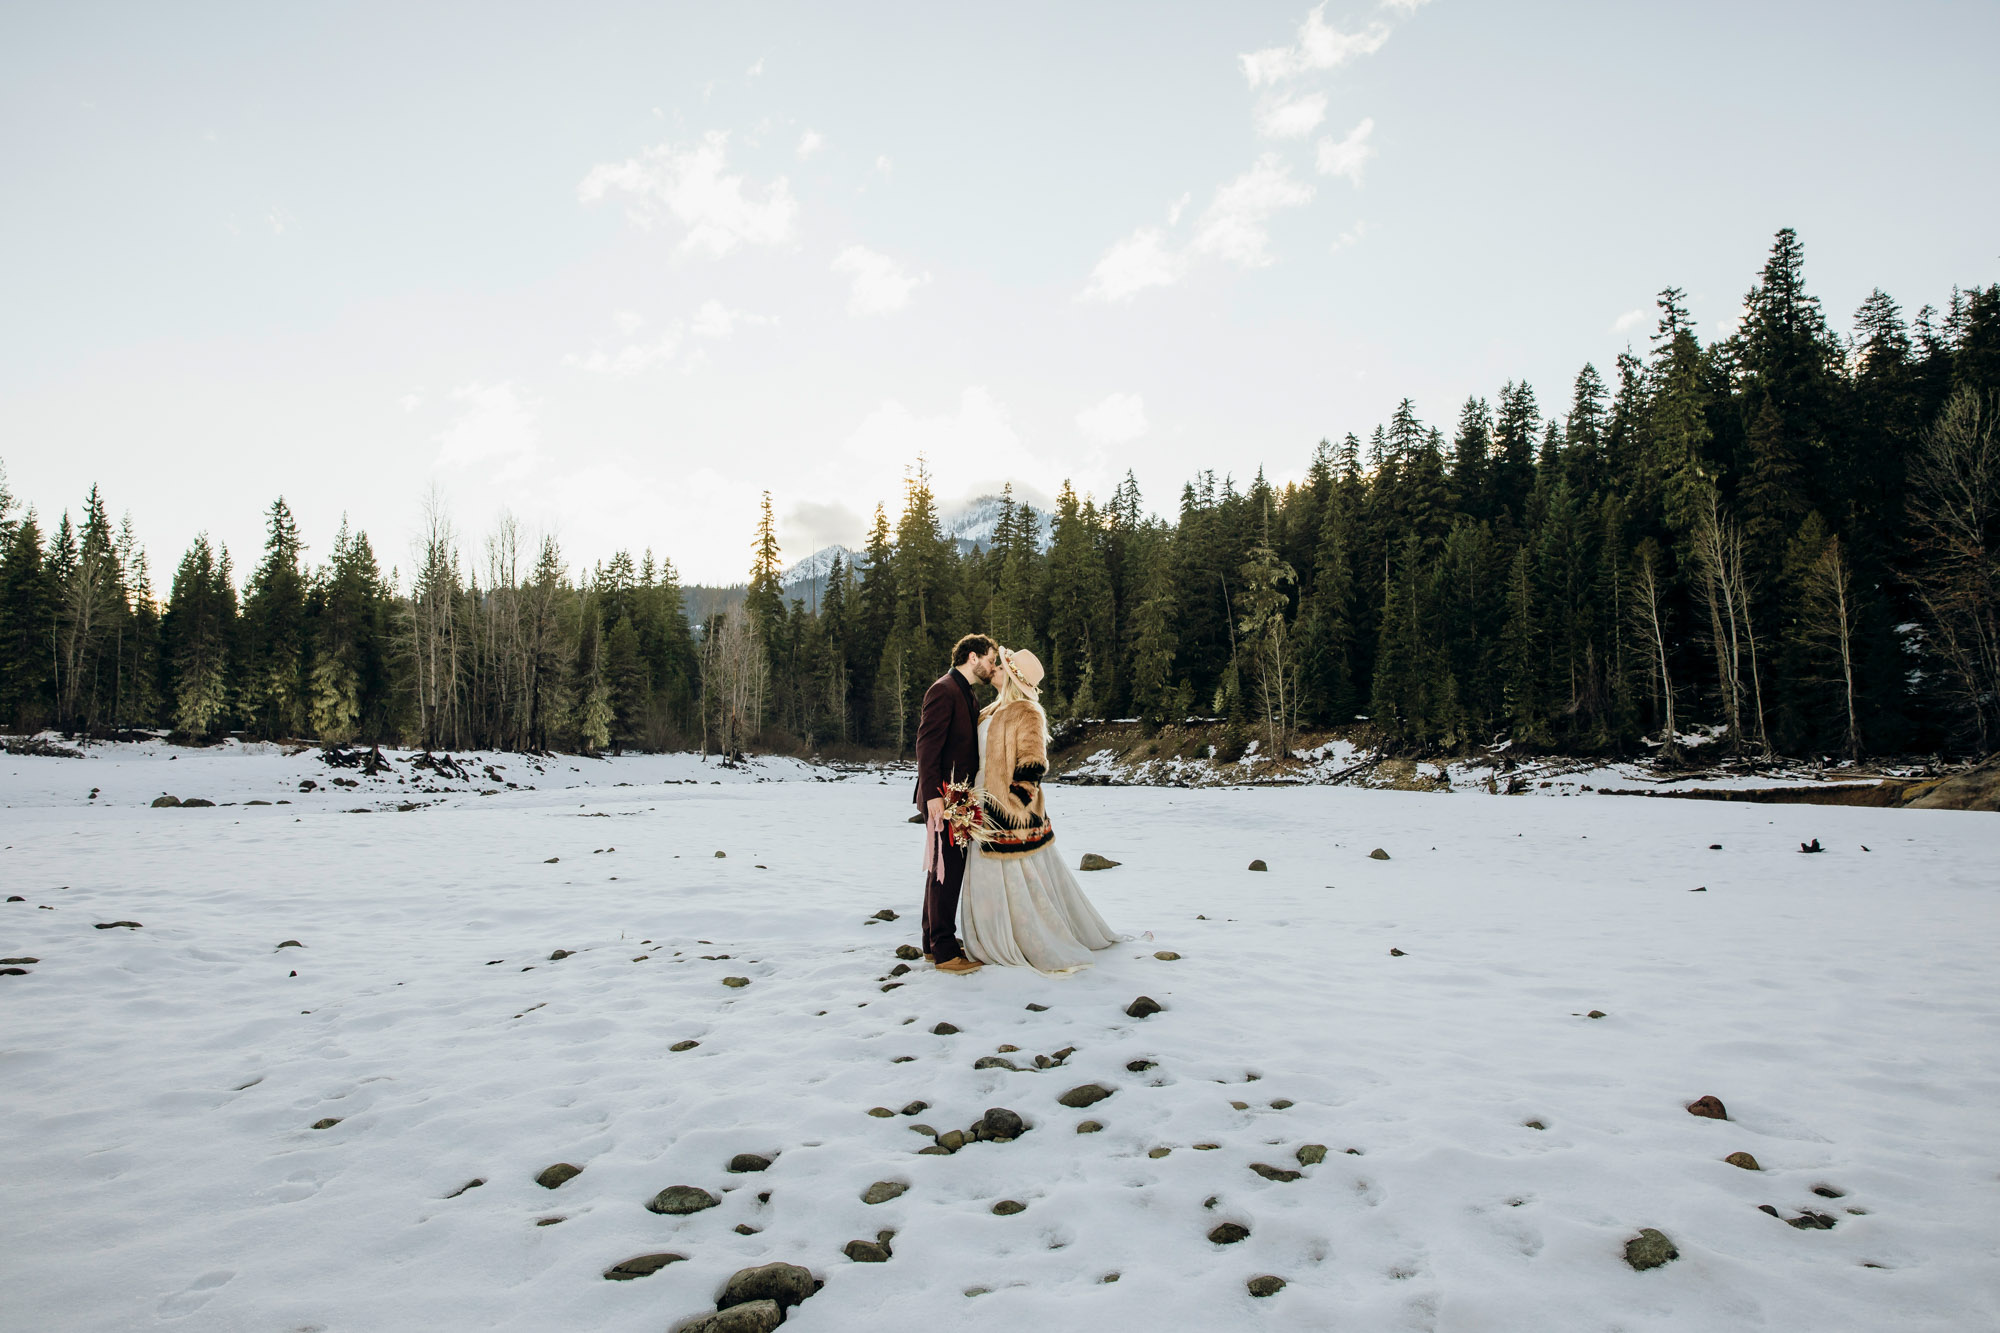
point(941, 905)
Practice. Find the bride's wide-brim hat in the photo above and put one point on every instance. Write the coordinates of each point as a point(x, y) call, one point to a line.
point(1027, 666)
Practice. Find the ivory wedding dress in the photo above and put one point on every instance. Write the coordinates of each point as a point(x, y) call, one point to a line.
point(1027, 910)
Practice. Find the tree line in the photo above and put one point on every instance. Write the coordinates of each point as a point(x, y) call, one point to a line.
point(1784, 537)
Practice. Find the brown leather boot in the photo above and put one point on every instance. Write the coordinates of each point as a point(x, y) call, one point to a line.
point(960, 966)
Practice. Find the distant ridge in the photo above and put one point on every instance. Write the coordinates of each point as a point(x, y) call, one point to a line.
point(970, 526)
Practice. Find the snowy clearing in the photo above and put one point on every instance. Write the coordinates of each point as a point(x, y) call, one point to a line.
point(1490, 1148)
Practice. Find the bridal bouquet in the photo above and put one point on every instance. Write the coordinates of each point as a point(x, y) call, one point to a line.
point(964, 813)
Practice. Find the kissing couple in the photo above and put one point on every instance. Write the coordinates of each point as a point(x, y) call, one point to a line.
point(991, 871)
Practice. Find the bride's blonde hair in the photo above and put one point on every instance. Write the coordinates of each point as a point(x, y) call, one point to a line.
point(1011, 688)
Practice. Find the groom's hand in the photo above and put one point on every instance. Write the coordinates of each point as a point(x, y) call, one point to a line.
point(934, 808)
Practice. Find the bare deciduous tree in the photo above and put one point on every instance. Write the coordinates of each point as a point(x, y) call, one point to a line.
point(1648, 618)
point(1955, 509)
point(734, 678)
point(1829, 605)
point(1723, 588)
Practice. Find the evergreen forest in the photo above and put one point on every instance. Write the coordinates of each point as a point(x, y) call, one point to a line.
point(1785, 541)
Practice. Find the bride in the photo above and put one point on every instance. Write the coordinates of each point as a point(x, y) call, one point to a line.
point(1021, 907)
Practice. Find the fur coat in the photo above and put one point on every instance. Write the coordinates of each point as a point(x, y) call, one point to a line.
point(1012, 766)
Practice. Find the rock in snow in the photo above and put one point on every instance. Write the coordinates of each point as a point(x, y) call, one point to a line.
point(1650, 1249)
point(680, 1200)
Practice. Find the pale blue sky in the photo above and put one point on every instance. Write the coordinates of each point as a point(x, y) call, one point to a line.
point(619, 272)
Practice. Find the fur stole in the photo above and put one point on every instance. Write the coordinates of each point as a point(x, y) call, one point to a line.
point(1015, 760)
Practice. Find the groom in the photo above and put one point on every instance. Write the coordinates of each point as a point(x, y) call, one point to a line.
point(947, 752)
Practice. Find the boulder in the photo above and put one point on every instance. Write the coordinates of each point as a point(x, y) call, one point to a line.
point(1266, 1285)
point(1009, 1207)
point(745, 1162)
point(1378, 855)
point(1001, 1123)
point(783, 1284)
point(868, 1252)
point(1167, 956)
point(1143, 1006)
point(1090, 1127)
point(642, 1265)
point(736, 983)
point(1312, 1154)
point(945, 1030)
point(1088, 1094)
point(680, 1200)
point(884, 1190)
point(1258, 865)
point(198, 803)
point(684, 1045)
point(994, 1062)
point(1708, 1107)
point(1277, 1173)
point(165, 802)
point(555, 1177)
point(909, 953)
point(1228, 1234)
point(1650, 1249)
point(1744, 1160)
point(1092, 861)
point(754, 1317)
point(885, 915)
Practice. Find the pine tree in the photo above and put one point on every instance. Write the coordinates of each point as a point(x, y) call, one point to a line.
point(1471, 467)
point(766, 598)
point(197, 634)
point(1080, 624)
point(27, 614)
point(275, 671)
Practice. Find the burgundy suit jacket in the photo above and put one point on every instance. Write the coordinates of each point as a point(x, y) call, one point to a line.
point(947, 736)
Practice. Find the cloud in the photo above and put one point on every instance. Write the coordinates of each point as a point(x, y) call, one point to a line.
point(691, 186)
point(758, 68)
point(716, 320)
point(1233, 227)
point(631, 359)
point(1404, 6)
point(892, 434)
point(884, 165)
point(411, 401)
point(812, 525)
point(1141, 260)
point(881, 285)
point(495, 428)
point(1120, 418)
point(809, 143)
point(1352, 236)
point(1319, 47)
point(1628, 321)
point(279, 220)
point(1292, 117)
point(1347, 157)
point(1178, 207)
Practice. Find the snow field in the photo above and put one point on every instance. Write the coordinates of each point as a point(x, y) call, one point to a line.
point(157, 1085)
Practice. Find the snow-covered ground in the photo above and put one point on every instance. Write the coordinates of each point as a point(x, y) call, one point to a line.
point(1490, 1148)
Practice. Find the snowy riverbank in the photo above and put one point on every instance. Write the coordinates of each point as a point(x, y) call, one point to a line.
point(159, 1083)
